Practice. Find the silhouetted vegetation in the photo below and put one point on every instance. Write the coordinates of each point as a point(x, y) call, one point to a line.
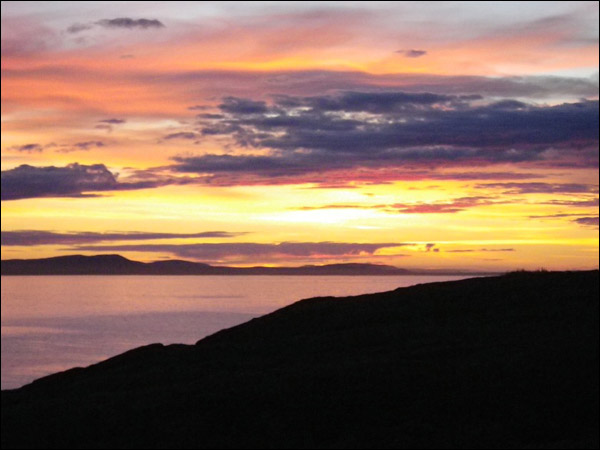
point(501, 362)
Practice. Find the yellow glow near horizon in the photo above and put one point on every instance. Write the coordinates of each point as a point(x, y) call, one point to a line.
point(135, 103)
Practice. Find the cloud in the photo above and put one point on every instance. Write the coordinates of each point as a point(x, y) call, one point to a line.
point(554, 216)
point(587, 221)
point(27, 148)
point(319, 134)
point(471, 250)
point(80, 146)
point(253, 84)
point(107, 124)
point(541, 188)
point(112, 121)
point(79, 27)
point(242, 106)
point(349, 177)
point(39, 237)
point(181, 135)
point(129, 23)
point(73, 180)
point(121, 22)
point(61, 148)
point(578, 203)
point(412, 53)
point(250, 251)
point(306, 83)
point(450, 206)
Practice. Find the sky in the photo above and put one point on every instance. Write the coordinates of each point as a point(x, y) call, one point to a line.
point(437, 135)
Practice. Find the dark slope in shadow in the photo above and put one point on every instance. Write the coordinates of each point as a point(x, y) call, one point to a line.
point(508, 361)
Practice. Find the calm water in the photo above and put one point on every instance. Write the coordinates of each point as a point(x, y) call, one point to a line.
point(52, 323)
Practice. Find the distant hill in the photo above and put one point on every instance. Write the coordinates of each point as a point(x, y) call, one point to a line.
point(118, 265)
point(498, 362)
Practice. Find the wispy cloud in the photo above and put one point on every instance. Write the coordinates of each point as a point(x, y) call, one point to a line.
point(443, 207)
point(113, 121)
point(129, 23)
point(27, 148)
point(80, 146)
point(250, 251)
point(412, 53)
point(541, 188)
point(187, 135)
point(120, 22)
point(40, 237)
point(477, 250)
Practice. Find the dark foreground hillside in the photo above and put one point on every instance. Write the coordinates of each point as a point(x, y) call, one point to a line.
point(509, 361)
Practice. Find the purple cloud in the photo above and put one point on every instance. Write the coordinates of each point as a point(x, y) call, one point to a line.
point(39, 237)
point(249, 251)
point(412, 53)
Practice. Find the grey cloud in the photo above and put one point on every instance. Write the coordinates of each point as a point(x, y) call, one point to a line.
point(62, 148)
point(319, 134)
point(180, 135)
point(318, 82)
point(210, 116)
point(79, 146)
point(508, 104)
point(541, 188)
point(39, 237)
point(129, 23)
point(480, 250)
point(212, 252)
point(412, 53)
point(79, 27)
point(73, 180)
point(578, 202)
point(112, 121)
point(373, 102)
point(121, 22)
point(27, 148)
point(451, 206)
point(554, 216)
point(587, 221)
point(236, 105)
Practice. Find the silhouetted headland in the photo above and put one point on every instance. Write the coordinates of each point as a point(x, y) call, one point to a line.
point(119, 265)
point(498, 362)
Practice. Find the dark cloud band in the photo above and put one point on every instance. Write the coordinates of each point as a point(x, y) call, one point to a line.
point(352, 130)
point(250, 251)
point(73, 180)
point(39, 237)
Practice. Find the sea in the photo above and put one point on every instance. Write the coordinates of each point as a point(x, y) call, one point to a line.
point(53, 323)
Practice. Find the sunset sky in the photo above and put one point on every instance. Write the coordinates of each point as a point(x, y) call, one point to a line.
point(422, 135)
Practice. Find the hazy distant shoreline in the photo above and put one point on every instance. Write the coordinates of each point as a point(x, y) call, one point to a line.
point(119, 265)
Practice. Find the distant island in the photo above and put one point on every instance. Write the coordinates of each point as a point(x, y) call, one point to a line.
point(119, 265)
point(489, 362)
